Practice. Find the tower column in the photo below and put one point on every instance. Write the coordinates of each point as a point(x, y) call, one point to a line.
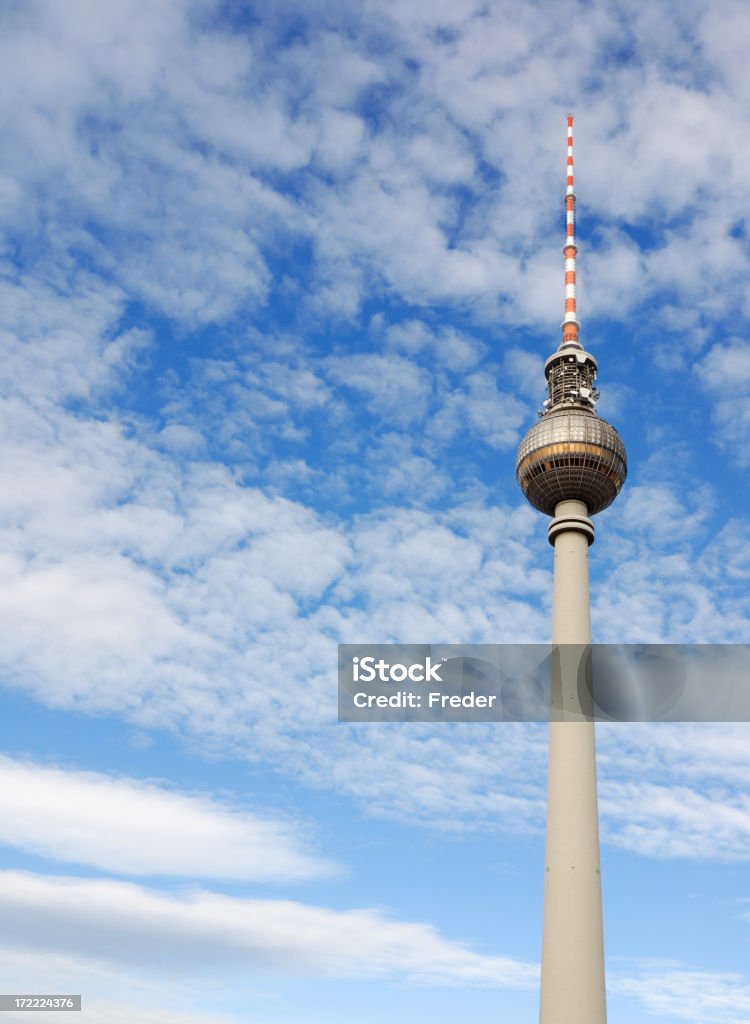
point(572, 989)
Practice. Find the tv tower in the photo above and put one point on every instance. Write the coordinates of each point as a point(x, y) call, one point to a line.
point(570, 465)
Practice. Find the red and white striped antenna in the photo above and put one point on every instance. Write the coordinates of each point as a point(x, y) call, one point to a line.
point(570, 371)
point(570, 323)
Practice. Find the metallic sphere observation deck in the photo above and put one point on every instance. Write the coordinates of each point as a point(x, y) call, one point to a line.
point(571, 453)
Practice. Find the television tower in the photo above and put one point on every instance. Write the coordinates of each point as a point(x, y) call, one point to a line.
point(571, 464)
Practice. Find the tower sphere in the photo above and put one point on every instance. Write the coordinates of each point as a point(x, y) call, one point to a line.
point(571, 453)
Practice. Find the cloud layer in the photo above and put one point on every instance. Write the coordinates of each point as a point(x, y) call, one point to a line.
point(123, 826)
point(131, 926)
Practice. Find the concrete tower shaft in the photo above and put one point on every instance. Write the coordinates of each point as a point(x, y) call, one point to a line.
point(573, 987)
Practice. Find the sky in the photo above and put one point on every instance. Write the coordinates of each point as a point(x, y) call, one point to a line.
point(277, 283)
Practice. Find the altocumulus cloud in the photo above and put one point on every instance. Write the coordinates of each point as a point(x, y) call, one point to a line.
point(129, 574)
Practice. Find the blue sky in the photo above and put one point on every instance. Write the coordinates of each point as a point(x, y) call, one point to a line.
point(277, 285)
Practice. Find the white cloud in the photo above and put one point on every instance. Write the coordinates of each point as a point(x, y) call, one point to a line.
point(171, 593)
point(656, 509)
point(676, 790)
point(396, 389)
point(147, 118)
point(671, 990)
point(481, 408)
point(60, 346)
point(724, 373)
point(110, 994)
point(131, 926)
point(101, 1011)
point(684, 754)
point(452, 349)
point(526, 372)
point(675, 821)
point(135, 828)
point(107, 118)
point(663, 574)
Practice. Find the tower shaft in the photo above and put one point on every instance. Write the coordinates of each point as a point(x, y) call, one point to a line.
point(573, 988)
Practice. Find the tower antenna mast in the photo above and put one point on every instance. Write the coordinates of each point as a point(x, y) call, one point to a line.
point(570, 325)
